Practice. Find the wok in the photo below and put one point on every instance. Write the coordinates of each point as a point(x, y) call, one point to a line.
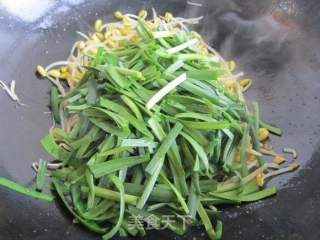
point(276, 43)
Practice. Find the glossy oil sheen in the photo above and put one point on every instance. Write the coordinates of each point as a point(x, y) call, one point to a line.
point(276, 43)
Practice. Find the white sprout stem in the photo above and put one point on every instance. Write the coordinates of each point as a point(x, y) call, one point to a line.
point(254, 152)
point(213, 59)
point(119, 38)
point(50, 166)
point(240, 95)
point(232, 77)
point(259, 170)
point(163, 34)
point(289, 168)
point(165, 90)
point(35, 167)
point(80, 64)
point(13, 86)
point(195, 19)
point(291, 151)
point(83, 35)
point(157, 22)
point(251, 176)
point(182, 46)
point(13, 90)
point(54, 166)
point(76, 64)
point(113, 25)
point(212, 50)
point(7, 90)
point(73, 69)
point(194, 4)
point(104, 26)
point(154, 14)
point(180, 23)
point(58, 85)
point(268, 152)
point(78, 53)
point(188, 20)
point(55, 64)
point(163, 24)
point(266, 146)
point(131, 16)
point(74, 47)
point(94, 45)
point(85, 60)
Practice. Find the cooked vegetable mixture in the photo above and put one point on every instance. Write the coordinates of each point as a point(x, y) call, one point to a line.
point(151, 122)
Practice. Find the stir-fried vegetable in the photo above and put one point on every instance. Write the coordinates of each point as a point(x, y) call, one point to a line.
point(41, 174)
point(19, 188)
point(153, 123)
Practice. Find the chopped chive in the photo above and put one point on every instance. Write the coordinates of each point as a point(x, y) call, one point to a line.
point(41, 174)
point(27, 191)
point(152, 123)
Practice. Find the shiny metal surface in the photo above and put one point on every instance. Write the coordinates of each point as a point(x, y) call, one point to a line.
point(276, 43)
